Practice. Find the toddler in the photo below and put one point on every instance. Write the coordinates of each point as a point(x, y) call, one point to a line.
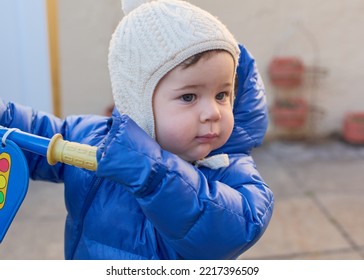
point(175, 179)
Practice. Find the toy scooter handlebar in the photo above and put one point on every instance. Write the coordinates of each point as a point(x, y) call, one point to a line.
point(55, 149)
point(72, 153)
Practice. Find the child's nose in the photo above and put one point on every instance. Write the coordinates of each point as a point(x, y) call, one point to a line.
point(210, 112)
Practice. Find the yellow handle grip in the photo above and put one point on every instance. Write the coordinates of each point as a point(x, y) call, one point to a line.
point(72, 153)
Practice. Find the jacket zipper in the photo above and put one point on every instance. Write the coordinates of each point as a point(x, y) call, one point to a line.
point(90, 197)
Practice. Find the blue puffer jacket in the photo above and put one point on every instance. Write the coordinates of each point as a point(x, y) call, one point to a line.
point(146, 203)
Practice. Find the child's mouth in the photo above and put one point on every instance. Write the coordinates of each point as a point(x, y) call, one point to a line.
point(206, 138)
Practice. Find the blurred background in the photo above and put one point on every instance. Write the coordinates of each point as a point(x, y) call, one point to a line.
point(53, 57)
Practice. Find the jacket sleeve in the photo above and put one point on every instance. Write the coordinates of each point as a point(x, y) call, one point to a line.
point(26, 119)
point(201, 216)
point(81, 128)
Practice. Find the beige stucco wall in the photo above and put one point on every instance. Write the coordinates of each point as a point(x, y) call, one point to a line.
point(85, 28)
point(324, 33)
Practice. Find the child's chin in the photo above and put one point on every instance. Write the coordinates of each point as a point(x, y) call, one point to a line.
point(194, 159)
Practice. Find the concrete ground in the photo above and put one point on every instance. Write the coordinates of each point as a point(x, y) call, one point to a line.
point(319, 193)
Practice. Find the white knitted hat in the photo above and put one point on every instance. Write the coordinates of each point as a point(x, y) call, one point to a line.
point(152, 39)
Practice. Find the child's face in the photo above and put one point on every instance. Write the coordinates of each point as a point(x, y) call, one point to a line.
point(192, 107)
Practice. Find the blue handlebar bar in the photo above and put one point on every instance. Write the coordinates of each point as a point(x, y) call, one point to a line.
point(29, 142)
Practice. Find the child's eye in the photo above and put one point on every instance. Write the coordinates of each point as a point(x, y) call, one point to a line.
point(221, 96)
point(190, 97)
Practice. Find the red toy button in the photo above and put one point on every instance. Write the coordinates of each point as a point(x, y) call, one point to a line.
point(4, 165)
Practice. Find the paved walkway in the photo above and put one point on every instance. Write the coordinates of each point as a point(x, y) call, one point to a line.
point(319, 192)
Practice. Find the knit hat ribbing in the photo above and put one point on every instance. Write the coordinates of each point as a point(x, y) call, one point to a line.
point(152, 39)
